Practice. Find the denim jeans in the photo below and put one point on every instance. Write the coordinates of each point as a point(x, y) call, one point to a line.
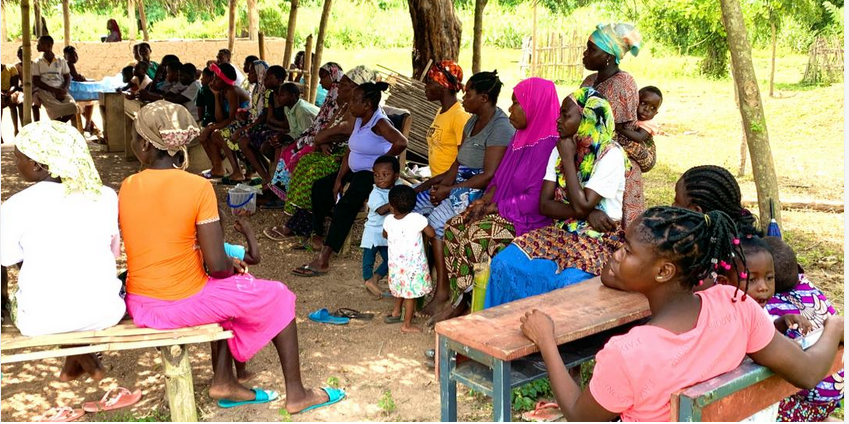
point(370, 257)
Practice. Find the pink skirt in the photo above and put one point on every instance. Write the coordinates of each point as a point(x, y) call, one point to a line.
point(255, 310)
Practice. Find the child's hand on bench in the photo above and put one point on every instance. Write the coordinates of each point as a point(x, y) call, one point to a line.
point(538, 327)
point(793, 322)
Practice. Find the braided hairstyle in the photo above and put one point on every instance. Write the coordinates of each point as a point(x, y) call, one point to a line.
point(713, 188)
point(698, 243)
point(372, 92)
point(486, 83)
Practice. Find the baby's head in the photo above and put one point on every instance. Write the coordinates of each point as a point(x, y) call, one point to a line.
point(650, 100)
point(386, 171)
point(402, 199)
point(786, 266)
point(242, 114)
point(127, 74)
point(757, 278)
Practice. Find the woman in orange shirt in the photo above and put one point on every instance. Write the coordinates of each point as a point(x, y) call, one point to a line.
point(170, 220)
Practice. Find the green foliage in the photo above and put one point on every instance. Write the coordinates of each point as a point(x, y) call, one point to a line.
point(386, 402)
point(524, 398)
point(333, 382)
point(127, 416)
point(285, 416)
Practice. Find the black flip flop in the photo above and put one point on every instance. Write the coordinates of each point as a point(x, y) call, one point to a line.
point(352, 314)
point(228, 182)
point(393, 320)
point(307, 272)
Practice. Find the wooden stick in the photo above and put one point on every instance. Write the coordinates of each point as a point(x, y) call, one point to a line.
point(39, 29)
point(308, 65)
point(426, 69)
point(143, 18)
point(290, 34)
point(68, 339)
point(261, 40)
point(111, 347)
point(66, 22)
point(131, 25)
point(319, 48)
point(26, 64)
point(816, 205)
point(231, 27)
point(178, 383)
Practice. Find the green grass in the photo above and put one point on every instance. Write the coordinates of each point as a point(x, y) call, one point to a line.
point(386, 403)
point(127, 416)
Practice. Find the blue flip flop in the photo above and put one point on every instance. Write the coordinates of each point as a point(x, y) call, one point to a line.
point(262, 396)
point(335, 396)
point(323, 316)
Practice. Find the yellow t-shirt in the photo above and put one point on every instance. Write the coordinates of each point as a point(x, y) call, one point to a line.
point(444, 138)
point(8, 73)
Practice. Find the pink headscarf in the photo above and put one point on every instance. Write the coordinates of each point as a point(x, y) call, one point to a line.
point(538, 98)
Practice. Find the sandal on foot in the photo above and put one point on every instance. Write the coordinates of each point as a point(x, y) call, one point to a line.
point(307, 271)
point(231, 182)
point(352, 314)
point(544, 412)
point(262, 396)
point(114, 399)
point(210, 176)
point(275, 234)
point(393, 319)
point(274, 204)
point(60, 415)
point(334, 396)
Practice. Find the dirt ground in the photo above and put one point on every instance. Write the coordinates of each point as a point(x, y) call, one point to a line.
point(368, 359)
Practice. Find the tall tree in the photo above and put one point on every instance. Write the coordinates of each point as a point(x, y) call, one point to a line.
point(478, 36)
point(751, 110)
point(253, 20)
point(290, 34)
point(319, 47)
point(436, 32)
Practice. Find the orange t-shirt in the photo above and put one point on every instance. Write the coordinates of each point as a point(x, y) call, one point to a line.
point(159, 211)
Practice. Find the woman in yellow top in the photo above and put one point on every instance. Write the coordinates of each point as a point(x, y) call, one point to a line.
point(444, 81)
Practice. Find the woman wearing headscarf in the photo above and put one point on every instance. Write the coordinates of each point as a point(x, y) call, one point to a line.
point(510, 205)
point(324, 158)
point(257, 116)
point(444, 81)
point(179, 275)
point(114, 32)
point(569, 251)
point(606, 47)
point(63, 233)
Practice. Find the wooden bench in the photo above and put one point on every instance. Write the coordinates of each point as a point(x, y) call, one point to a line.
point(736, 395)
point(124, 336)
point(585, 316)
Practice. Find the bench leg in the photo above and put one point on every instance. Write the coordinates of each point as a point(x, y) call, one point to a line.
point(501, 401)
point(178, 383)
point(447, 386)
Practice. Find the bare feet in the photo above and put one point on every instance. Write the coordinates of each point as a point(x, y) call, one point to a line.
point(245, 376)
point(410, 328)
point(313, 397)
point(447, 312)
point(233, 391)
point(435, 305)
point(78, 365)
point(372, 288)
point(72, 370)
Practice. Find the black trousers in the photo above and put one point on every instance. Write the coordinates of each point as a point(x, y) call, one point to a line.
point(343, 213)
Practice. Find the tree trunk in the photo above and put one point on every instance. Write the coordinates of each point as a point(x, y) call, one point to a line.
point(751, 110)
point(37, 11)
point(436, 32)
point(319, 48)
point(66, 21)
point(4, 36)
point(741, 172)
point(131, 14)
point(231, 32)
point(308, 65)
point(143, 19)
point(253, 20)
point(478, 36)
point(290, 34)
point(772, 68)
point(26, 62)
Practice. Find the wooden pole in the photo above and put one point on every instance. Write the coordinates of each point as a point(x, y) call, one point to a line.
point(231, 33)
point(307, 66)
point(290, 34)
point(772, 67)
point(319, 48)
point(751, 110)
point(4, 36)
point(132, 26)
point(26, 62)
point(38, 27)
point(143, 18)
point(534, 44)
point(66, 21)
point(478, 36)
point(261, 41)
point(178, 383)
point(253, 20)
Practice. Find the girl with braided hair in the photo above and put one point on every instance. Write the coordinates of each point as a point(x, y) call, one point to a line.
point(708, 188)
point(691, 338)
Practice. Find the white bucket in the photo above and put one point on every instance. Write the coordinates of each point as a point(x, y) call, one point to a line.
point(241, 201)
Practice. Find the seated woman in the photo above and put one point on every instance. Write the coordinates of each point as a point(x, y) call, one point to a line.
point(569, 251)
point(373, 136)
point(444, 81)
point(169, 218)
point(231, 103)
point(261, 98)
point(510, 206)
point(485, 138)
point(63, 233)
point(255, 140)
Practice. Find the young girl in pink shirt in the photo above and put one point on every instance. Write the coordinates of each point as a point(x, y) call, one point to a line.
point(691, 338)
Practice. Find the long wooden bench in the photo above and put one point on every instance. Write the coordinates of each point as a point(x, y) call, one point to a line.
point(172, 346)
point(585, 316)
point(736, 395)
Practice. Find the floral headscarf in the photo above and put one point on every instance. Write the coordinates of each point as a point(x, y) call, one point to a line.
point(328, 109)
point(259, 93)
point(362, 74)
point(63, 150)
point(447, 74)
point(617, 39)
point(167, 126)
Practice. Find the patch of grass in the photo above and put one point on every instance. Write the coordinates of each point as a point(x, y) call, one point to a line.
point(128, 416)
point(333, 382)
point(285, 416)
point(386, 402)
point(525, 398)
point(799, 86)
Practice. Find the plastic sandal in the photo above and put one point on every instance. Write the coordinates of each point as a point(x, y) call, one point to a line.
point(262, 396)
point(324, 317)
point(60, 415)
point(352, 314)
point(544, 412)
point(334, 395)
point(116, 398)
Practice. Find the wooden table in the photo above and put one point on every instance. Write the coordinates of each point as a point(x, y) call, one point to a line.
point(493, 340)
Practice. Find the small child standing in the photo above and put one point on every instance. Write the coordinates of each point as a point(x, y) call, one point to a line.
point(650, 100)
point(386, 171)
point(409, 274)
